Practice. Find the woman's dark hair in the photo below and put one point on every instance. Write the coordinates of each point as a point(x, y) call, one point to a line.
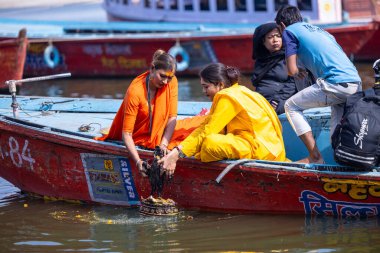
point(259, 51)
point(163, 60)
point(288, 15)
point(217, 73)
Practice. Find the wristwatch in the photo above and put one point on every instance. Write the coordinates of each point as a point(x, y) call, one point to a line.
point(180, 153)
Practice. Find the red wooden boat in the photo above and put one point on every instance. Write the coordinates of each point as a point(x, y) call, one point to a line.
point(124, 55)
point(90, 49)
point(12, 58)
point(365, 10)
point(361, 9)
point(255, 12)
point(371, 49)
point(93, 49)
point(43, 152)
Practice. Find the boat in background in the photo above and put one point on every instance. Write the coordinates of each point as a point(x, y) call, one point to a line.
point(12, 58)
point(255, 12)
point(370, 50)
point(92, 49)
point(362, 10)
point(220, 11)
point(196, 32)
point(48, 150)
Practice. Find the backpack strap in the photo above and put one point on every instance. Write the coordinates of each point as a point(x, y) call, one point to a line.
point(370, 95)
point(369, 92)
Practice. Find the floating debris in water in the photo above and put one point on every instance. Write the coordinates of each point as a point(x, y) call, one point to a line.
point(73, 216)
point(158, 206)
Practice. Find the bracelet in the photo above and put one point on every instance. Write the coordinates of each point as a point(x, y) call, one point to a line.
point(180, 153)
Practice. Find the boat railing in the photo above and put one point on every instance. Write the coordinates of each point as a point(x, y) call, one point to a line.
point(12, 84)
point(325, 168)
point(246, 11)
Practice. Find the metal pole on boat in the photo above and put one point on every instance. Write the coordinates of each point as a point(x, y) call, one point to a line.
point(12, 90)
point(13, 83)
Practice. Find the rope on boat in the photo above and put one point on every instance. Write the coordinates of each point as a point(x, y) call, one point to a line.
point(47, 105)
point(230, 167)
point(88, 127)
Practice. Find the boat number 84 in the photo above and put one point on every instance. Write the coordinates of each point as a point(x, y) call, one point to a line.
point(16, 154)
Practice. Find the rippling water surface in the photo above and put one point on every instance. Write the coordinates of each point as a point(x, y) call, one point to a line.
point(189, 87)
point(33, 225)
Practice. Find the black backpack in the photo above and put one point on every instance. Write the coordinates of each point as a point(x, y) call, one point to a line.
point(356, 140)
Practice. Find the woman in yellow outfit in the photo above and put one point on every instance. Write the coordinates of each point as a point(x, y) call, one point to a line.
point(241, 123)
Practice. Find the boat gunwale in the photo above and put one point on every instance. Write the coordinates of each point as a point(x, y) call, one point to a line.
point(77, 140)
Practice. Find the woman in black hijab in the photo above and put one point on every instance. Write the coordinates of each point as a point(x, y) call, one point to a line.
point(270, 76)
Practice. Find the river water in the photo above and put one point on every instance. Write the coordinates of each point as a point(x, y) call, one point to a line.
point(32, 225)
point(188, 89)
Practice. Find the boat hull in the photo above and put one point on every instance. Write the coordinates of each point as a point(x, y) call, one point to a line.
point(371, 49)
point(131, 55)
point(71, 172)
point(67, 165)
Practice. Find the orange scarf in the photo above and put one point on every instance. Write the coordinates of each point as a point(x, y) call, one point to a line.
point(163, 107)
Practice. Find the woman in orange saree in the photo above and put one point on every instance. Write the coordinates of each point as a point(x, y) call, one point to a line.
point(147, 116)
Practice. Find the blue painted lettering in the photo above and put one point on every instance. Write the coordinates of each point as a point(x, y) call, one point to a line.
point(131, 193)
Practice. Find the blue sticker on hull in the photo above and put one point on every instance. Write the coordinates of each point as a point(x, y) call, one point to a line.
point(109, 179)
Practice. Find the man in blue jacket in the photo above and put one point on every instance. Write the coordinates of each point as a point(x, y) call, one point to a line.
point(337, 77)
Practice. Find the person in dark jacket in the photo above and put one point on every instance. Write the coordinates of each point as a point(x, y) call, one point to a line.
point(270, 76)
